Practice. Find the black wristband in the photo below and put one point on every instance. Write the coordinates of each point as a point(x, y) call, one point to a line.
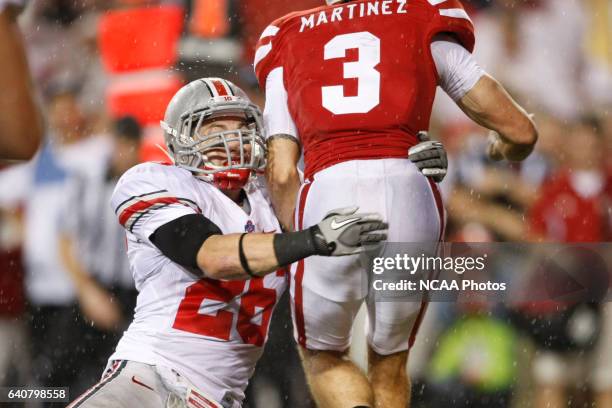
point(290, 247)
point(243, 261)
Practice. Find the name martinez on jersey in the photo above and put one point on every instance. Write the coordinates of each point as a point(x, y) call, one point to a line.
point(354, 10)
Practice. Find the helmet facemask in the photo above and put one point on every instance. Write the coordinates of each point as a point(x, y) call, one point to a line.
point(226, 158)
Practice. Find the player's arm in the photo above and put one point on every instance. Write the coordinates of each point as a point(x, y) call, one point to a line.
point(489, 105)
point(20, 119)
point(283, 177)
point(484, 100)
point(282, 138)
point(283, 150)
point(196, 243)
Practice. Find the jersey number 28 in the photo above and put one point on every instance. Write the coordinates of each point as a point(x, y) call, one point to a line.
point(256, 300)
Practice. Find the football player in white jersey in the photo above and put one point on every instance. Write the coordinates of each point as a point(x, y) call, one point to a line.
point(207, 254)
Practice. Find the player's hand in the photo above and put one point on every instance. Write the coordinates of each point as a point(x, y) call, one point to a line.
point(494, 149)
point(497, 147)
point(345, 232)
point(430, 157)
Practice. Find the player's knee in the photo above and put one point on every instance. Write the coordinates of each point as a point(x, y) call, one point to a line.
point(392, 365)
point(311, 354)
point(317, 361)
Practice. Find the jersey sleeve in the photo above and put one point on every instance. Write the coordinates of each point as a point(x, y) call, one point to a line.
point(449, 16)
point(277, 117)
point(268, 52)
point(151, 195)
point(458, 71)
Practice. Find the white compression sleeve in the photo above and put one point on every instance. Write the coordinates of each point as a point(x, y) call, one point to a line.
point(458, 72)
point(277, 118)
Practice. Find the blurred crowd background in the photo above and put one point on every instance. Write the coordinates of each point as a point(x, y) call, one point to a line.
point(105, 70)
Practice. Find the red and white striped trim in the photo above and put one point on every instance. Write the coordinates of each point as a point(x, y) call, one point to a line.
point(440, 206)
point(142, 197)
point(110, 374)
point(196, 399)
point(455, 13)
point(218, 87)
point(299, 274)
point(425, 302)
point(418, 321)
point(263, 50)
point(133, 209)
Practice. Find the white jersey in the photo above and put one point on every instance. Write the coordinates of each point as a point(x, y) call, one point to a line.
point(210, 331)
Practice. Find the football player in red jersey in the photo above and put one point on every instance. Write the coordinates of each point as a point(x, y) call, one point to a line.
point(351, 84)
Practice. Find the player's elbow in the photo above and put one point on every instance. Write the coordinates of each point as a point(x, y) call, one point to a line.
point(522, 141)
point(280, 178)
point(524, 133)
point(216, 265)
point(211, 268)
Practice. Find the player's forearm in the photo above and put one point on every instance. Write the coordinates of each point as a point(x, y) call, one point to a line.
point(283, 178)
point(20, 118)
point(283, 192)
point(220, 255)
point(489, 105)
point(196, 243)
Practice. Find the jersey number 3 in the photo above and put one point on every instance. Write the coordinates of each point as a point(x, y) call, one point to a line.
point(257, 302)
point(364, 70)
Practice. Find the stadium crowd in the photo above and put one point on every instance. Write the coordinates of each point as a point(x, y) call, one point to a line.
point(105, 70)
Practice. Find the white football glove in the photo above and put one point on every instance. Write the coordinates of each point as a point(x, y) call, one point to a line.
point(345, 232)
point(430, 157)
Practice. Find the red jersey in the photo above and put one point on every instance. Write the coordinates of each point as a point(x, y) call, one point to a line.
point(562, 214)
point(359, 76)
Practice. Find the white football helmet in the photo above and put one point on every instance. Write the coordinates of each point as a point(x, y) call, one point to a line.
point(194, 105)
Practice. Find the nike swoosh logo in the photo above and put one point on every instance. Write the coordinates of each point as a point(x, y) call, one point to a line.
point(335, 225)
point(139, 383)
